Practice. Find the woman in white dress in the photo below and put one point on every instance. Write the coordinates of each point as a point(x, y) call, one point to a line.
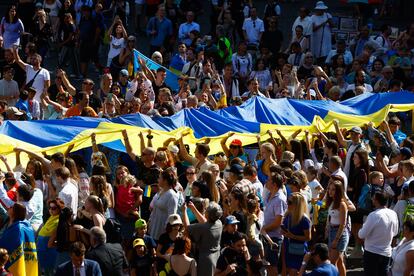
point(403, 254)
point(321, 37)
point(117, 41)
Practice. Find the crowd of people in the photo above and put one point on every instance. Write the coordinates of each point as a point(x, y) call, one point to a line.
point(294, 207)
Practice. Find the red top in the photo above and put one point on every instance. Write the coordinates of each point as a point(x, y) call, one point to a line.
point(125, 199)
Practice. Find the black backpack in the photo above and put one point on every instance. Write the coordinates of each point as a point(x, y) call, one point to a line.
point(112, 229)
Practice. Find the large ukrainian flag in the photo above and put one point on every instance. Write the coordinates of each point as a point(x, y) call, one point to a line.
point(253, 118)
point(19, 240)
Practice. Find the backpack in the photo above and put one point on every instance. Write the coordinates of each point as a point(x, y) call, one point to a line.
point(364, 200)
point(112, 228)
point(409, 210)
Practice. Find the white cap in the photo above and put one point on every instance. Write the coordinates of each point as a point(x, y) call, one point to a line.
point(173, 149)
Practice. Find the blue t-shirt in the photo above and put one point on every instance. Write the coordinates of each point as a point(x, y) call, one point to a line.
point(325, 269)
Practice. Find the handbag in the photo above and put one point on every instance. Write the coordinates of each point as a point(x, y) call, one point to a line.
point(295, 248)
point(30, 83)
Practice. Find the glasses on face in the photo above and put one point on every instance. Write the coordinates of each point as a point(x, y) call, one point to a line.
point(53, 208)
point(234, 147)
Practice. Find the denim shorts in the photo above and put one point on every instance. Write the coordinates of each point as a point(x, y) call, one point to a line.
point(343, 240)
point(272, 254)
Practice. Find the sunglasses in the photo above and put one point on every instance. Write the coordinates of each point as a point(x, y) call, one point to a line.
point(234, 147)
point(53, 208)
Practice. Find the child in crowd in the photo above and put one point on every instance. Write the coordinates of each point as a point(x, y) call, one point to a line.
point(315, 186)
point(141, 263)
point(34, 105)
point(141, 233)
point(253, 228)
point(23, 104)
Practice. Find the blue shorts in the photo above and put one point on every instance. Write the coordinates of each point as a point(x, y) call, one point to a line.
point(342, 242)
point(272, 254)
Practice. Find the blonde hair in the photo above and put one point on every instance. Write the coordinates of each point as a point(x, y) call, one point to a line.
point(288, 155)
point(128, 179)
point(270, 148)
point(4, 256)
point(300, 209)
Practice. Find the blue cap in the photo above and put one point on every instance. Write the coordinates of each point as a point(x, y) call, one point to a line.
point(231, 220)
point(236, 169)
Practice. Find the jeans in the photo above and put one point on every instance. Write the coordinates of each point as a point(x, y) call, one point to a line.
point(375, 264)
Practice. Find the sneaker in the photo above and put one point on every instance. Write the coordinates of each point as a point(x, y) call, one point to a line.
point(357, 253)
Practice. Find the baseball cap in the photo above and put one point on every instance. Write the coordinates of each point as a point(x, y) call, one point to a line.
point(231, 220)
point(138, 242)
point(309, 163)
point(173, 149)
point(140, 223)
point(123, 72)
point(236, 142)
point(236, 169)
point(356, 129)
point(13, 111)
point(174, 219)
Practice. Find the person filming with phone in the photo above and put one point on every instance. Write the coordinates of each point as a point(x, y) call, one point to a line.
point(234, 260)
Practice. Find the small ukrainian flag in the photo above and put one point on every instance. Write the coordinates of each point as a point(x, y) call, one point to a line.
point(147, 191)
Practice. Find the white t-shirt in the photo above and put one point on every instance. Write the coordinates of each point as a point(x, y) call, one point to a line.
point(399, 257)
point(314, 184)
point(39, 82)
point(368, 87)
point(242, 65)
point(115, 46)
point(253, 28)
point(306, 23)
